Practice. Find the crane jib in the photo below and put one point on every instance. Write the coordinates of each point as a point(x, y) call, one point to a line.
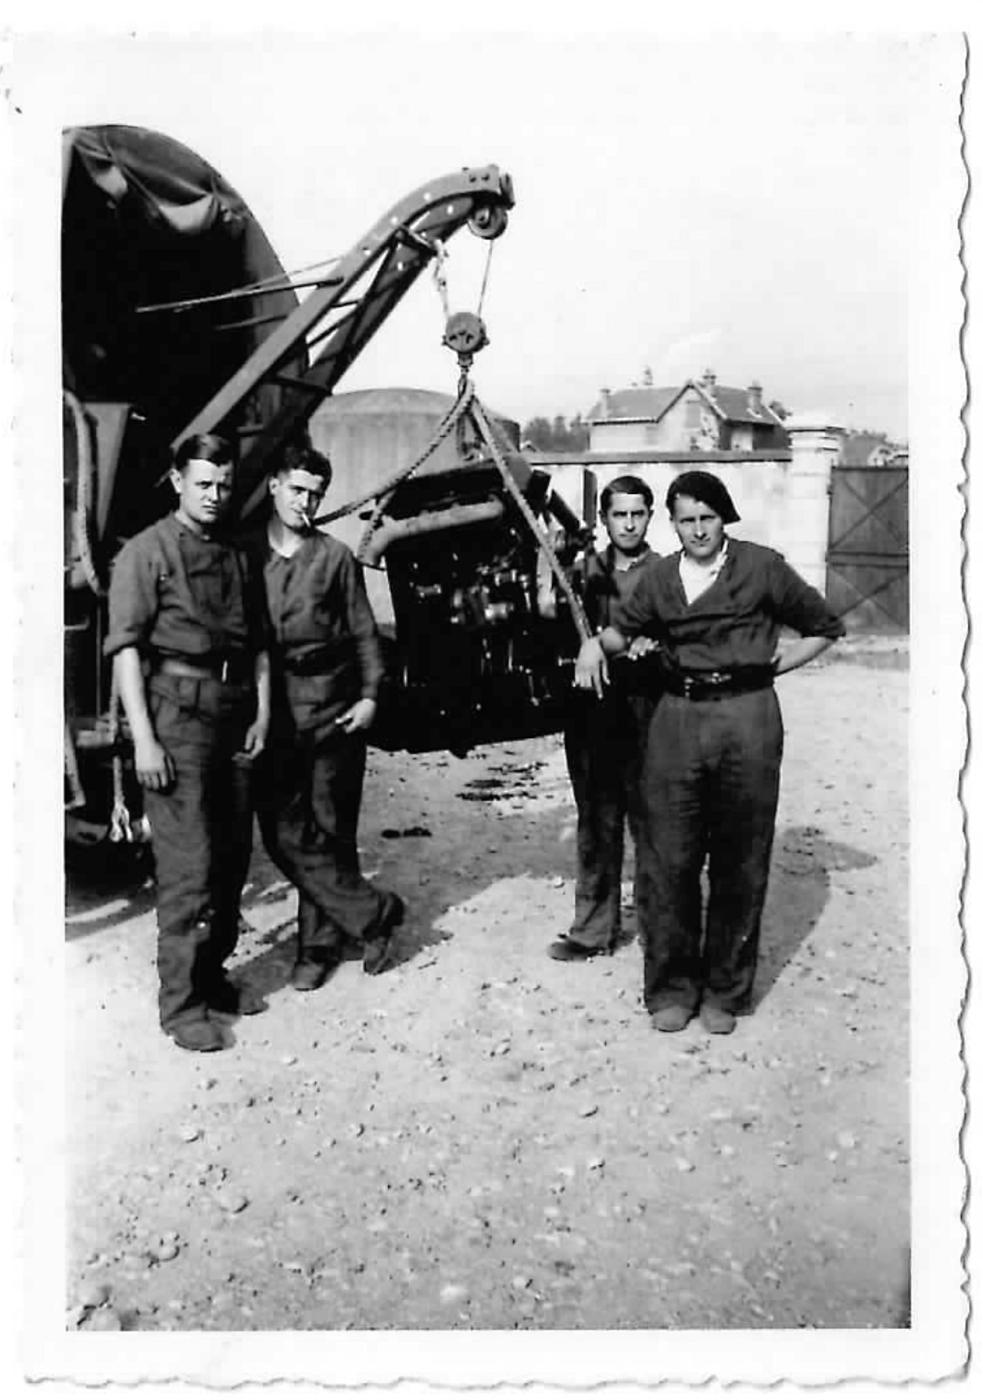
point(391, 254)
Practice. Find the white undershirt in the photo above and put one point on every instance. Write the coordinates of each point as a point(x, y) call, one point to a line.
point(697, 578)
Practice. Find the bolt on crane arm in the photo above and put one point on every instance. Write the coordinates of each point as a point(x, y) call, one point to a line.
point(389, 258)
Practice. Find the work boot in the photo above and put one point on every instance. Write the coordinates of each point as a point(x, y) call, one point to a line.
point(227, 999)
point(671, 1018)
point(569, 950)
point(716, 1020)
point(200, 1035)
point(311, 971)
point(380, 953)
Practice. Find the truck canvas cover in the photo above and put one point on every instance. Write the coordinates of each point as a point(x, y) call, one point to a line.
point(145, 221)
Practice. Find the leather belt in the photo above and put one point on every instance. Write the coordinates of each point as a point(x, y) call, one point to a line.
point(228, 670)
point(717, 685)
point(311, 663)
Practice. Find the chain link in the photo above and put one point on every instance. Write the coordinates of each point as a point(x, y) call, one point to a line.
point(440, 276)
point(539, 533)
point(379, 493)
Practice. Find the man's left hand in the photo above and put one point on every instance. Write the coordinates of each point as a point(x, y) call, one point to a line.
point(360, 716)
point(255, 740)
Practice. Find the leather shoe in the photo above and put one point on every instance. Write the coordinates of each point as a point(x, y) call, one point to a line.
point(309, 973)
point(671, 1018)
point(225, 998)
point(380, 954)
point(569, 950)
point(716, 1020)
point(201, 1036)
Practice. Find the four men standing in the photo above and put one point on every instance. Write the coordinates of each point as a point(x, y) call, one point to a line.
point(230, 658)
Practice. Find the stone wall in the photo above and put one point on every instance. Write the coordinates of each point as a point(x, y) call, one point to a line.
point(782, 497)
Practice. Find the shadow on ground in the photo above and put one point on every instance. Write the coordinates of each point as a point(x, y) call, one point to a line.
point(802, 862)
point(106, 884)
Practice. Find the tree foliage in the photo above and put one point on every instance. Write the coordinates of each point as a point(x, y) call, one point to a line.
point(557, 435)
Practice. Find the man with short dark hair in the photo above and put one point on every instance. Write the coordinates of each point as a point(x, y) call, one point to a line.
point(326, 668)
point(188, 639)
point(604, 740)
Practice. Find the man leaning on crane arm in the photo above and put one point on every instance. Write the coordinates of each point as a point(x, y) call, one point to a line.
point(188, 634)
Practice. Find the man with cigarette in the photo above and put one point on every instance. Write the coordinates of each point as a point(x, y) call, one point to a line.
point(326, 668)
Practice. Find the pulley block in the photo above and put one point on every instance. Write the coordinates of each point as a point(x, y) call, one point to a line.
point(465, 333)
point(489, 221)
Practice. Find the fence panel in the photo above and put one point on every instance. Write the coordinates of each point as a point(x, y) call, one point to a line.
point(867, 558)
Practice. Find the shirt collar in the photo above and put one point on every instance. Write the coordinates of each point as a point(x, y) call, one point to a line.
point(704, 570)
point(638, 560)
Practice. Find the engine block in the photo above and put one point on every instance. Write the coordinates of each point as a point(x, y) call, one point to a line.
point(484, 642)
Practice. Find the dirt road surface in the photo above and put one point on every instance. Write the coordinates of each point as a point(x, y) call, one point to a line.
point(484, 1138)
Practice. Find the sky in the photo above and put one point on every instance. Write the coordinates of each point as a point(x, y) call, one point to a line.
point(737, 204)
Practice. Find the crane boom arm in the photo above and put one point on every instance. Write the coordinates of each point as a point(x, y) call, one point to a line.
point(343, 313)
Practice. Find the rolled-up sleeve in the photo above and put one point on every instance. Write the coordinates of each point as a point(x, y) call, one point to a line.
point(362, 628)
point(798, 605)
point(132, 598)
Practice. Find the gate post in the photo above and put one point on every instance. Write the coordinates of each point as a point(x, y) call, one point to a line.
point(815, 450)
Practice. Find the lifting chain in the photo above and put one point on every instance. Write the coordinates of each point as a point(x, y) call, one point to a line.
point(382, 492)
point(465, 334)
point(440, 276)
point(539, 533)
point(464, 331)
point(453, 420)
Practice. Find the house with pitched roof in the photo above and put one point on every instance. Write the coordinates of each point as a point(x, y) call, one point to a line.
point(866, 449)
point(698, 416)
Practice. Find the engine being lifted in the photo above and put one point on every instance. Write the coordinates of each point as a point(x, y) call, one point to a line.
point(485, 641)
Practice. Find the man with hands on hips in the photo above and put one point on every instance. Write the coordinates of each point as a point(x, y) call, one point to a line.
point(710, 780)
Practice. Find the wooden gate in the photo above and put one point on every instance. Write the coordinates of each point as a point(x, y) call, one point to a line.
point(867, 554)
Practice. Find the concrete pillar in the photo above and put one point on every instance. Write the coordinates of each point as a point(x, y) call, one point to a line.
point(815, 448)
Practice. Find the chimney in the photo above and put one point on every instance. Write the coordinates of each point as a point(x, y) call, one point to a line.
point(754, 398)
point(605, 403)
point(709, 379)
point(647, 380)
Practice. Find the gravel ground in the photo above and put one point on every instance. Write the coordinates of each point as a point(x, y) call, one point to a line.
point(484, 1138)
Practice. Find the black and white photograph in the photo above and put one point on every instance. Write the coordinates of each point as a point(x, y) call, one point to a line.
point(505, 649)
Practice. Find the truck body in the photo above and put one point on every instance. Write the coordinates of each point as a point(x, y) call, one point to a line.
point(178, 318)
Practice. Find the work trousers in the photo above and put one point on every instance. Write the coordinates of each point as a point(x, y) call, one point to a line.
point(201, 829)
point(309, 793)
point(709, 794)
point(604, 741)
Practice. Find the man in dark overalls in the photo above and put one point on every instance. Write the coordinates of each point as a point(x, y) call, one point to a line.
point(326, 670)
point(712, 765)
point(187, 633)
point(605, 739)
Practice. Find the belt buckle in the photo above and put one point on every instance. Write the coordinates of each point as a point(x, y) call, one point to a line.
point(223, 674)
